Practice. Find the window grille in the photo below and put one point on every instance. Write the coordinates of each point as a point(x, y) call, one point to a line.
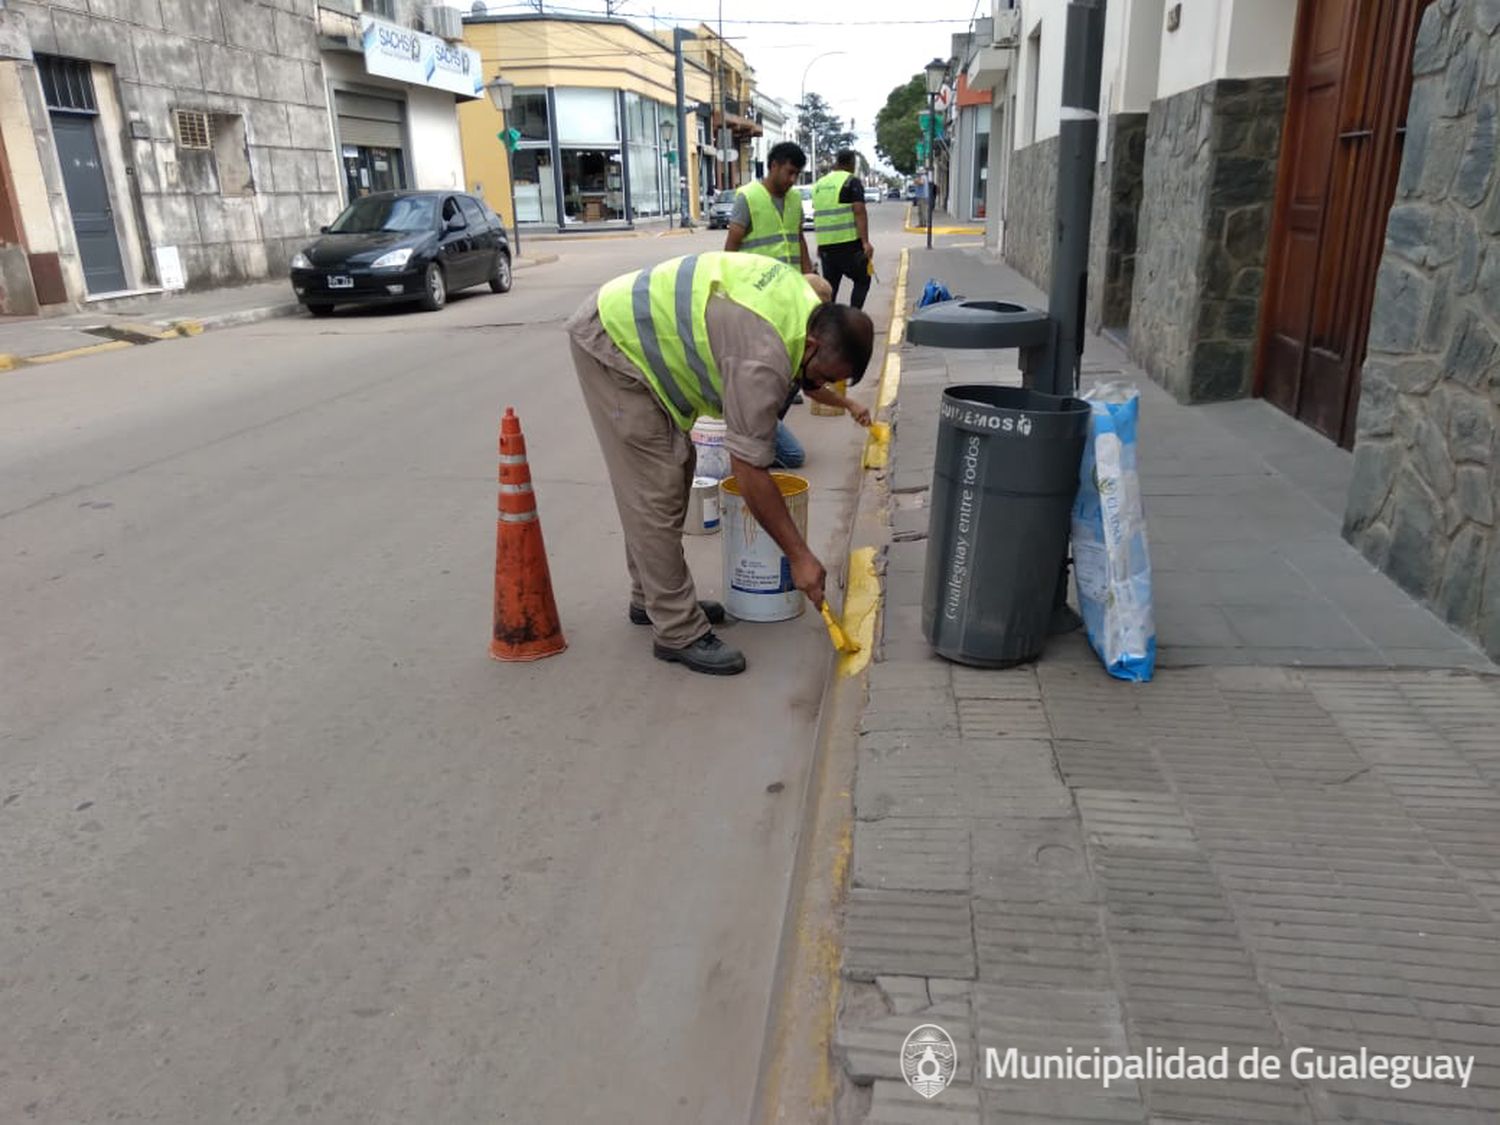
point(192, 129)
point(67, 84)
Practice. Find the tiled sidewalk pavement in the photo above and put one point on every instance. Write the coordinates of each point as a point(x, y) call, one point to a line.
point(1291, 838)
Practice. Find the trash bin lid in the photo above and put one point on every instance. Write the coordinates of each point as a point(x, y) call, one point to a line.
point(979, 323)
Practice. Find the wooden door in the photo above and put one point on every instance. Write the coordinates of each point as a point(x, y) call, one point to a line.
point(1340, 154)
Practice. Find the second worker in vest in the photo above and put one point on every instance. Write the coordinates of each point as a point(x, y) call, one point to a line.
point(723, 335)
point(767, 216)
point(843, 228)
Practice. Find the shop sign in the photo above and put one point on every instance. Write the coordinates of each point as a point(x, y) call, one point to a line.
point(410, 56)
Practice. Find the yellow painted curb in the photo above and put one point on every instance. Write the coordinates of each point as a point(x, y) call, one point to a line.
point(188, 327)
point(861, 601)
point(74, 353)
point(9, 362)
point(890, 385)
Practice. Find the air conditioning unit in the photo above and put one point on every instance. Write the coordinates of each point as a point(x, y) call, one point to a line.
point(1007, 25)
point(444, 22)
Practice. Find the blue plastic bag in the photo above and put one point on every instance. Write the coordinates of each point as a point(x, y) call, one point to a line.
point(933, 292)
point(1111, 560)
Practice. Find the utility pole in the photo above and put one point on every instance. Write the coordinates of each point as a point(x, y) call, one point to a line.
point(678, 35)
point(931, 164)
point(1078, 140)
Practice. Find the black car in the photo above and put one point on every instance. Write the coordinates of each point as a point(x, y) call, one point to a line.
point(720, 210)
point(398, 246)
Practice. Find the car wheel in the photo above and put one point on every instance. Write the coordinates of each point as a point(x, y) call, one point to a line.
point(434, 288)
point(500, 280)
point(319, 310)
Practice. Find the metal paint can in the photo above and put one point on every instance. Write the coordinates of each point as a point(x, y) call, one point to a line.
point(757, 576)
point(703, 507)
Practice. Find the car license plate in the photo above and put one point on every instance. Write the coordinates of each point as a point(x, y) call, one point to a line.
point(340, 281)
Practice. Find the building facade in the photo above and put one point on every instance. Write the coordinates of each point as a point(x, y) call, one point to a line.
point(1295, 199)
point(778, 123)
point(732, 124)
point(396, 72)
point(1426, 493)
point(197, 143)
point(595, 105)
point(167, 144)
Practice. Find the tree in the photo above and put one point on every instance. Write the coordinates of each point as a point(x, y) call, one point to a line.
point(896, 128)
point(815, 119)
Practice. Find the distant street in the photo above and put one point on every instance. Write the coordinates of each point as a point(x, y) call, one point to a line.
point(279, 841)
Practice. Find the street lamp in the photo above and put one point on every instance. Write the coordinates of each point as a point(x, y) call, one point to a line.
point(936, 72)
point(668, 130)
point(812, 136)
point(502, 92)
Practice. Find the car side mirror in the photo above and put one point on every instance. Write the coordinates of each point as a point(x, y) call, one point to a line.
point(455, 223)
point(323, 230)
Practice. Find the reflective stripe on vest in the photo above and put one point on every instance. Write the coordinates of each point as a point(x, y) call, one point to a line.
point(834, 221)
point(657, 317)
point(772, 233)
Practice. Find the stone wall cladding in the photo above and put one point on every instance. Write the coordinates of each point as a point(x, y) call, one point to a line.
point(1031, 204)
point(253, 59)
point(1208, 189)
point(1113, 233)
point(1422, 505)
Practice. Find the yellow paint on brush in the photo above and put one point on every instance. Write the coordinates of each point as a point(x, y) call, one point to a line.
point(878, 446)
point(861, 601)
point(836, 634)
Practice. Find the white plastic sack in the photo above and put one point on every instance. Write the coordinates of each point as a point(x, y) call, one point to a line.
point(1111, 561)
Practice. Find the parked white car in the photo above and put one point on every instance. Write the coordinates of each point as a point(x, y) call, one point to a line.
point(807, 208)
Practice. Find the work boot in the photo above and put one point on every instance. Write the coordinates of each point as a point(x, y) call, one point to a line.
point(711, 610)
point(707, 654)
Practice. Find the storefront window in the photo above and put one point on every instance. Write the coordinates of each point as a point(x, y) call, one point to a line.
point(593, 185)
point(528, 115)
point(593, 170)
point(536, 192)
point(648, 175)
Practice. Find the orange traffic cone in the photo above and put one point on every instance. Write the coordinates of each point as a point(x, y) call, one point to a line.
point(526, 625)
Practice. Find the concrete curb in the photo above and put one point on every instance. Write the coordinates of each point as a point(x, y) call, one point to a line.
point(798, 1079)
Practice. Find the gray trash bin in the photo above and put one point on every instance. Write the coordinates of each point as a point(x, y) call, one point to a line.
point(1002, 492)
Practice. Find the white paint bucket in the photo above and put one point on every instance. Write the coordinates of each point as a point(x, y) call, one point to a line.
point(757, 576)
point(708, 440)
point(703, 507)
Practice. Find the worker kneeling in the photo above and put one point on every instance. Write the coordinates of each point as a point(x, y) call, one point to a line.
point(718, 334)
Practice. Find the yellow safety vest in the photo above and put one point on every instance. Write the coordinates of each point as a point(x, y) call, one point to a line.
point(656, 317)
point(834, 221)
point(775, 235)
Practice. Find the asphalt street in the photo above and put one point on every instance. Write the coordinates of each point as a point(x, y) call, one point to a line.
point(278, 842)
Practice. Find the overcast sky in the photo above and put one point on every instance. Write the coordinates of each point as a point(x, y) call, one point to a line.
point(880, 53)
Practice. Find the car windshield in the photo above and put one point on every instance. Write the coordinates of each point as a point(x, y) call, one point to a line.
point(389, 213)
point(724, 197)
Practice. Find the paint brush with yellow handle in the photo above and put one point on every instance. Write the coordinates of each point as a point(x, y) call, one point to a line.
point(842, 642)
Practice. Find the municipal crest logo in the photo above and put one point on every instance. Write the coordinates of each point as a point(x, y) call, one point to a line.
point(1024, 425)
point(929, 1060)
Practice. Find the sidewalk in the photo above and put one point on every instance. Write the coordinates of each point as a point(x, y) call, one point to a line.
point(151, 317)
point(1289, 839)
